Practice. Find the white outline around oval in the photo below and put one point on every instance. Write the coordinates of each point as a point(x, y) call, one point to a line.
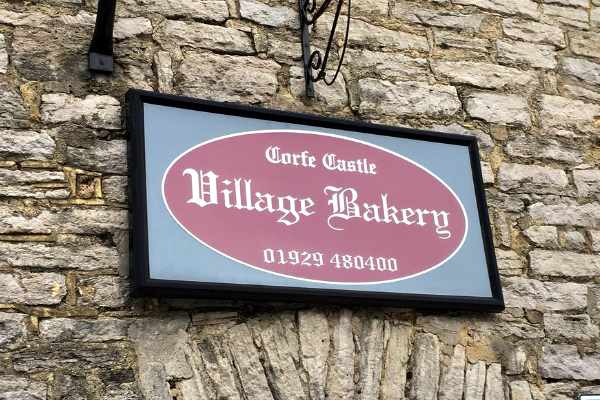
point(320, 134)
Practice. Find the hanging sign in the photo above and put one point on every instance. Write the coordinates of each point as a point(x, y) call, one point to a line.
point(236, 202)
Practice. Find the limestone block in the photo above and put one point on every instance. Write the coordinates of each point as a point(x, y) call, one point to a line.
point(94, 111)
point(531, 178)
point(544, 296)
point(32, 288)
point(498, 108)
point(483, 75)
point(534, 32)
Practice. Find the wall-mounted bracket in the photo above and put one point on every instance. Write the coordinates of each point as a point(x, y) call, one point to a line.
point(315, 63)
point(100, 55)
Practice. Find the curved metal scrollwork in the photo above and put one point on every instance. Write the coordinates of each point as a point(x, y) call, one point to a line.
point(315, 62)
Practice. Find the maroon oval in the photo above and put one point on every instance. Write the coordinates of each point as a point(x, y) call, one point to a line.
point(230, 212)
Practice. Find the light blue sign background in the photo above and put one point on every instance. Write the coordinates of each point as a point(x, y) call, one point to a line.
point(175, 255)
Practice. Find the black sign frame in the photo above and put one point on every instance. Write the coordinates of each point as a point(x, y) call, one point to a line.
point(143, 285)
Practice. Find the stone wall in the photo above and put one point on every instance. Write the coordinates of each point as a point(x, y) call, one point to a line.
point(523, 76)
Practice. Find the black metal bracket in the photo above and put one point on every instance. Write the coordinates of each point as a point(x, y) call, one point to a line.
point(316, 61)
point(100, 54)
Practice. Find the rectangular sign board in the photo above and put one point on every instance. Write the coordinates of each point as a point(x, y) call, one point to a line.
point(230, 201)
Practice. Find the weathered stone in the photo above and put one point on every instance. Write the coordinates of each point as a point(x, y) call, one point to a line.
point(390, 66)
point(206, 10)
point(129, 27)
point(219, 367)
point(531, 178)
point(543, 148)
point(153, 382)
point(544, 296)
point(453, 377)
point(19, 388)
point(373, 37)
point(509, 262)
point(114, 188)
point(519, 390)
point(563, 361)
point(62, 55)
point(570, 327)
point(68, 220)
point(487, 173)
point(560, 390)
point(13, 113)
point(41, 255)
point(371, 359)
point(203, 36)
point(425, 367)
point(570, 3)
point(35, 184)
point(26, 145)
point(102, 291)
point(577, 17)
point(586, 215)
point(494, 389)
point(281, 372)
point(382, 98)
point(580, 93)
point(515, 361)
point(457, 41)
point(163, 341)
point(264, 14)
point(595, 239)
point(568, 113)
point(543, 236)
point(330, 98)
point(32, 288)
point(13, 331)
point(531, 31)
point(595, 16)
point(449, 19)
point(585, 70)
point(525, 8)
point(93, 110)
point(313, 332)
point(164, 72)
point(573, 240)
point(103, 156)
point(569, 264)
point(475, 381)
point(370, 7)
point(585, 43)
point(484, 140)
point(228, 78)
point(89, 330)
point(594, 302)
point(247, 363)
point(397, 353)
point(340, 375)
point(483, 75)
point(535, 55)
point(587, 182)
point(3, 55)
point(498, 108)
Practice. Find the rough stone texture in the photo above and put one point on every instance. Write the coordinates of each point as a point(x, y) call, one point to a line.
point(543, 148)
point(406, 98)
point(102, 291)
point(3, 55)
point(494, 389)
point(586, 215)
point(13, 330)
point(453, 377)
point(426, 369)
point(566, 327)
point(32, 288)
point(210, 76)
point(551, 263)
point(114, 188)
point(475, 381)
point(35, 184)
point(331, 98)
point(340, 376)
point(499, 109)
point(19, 388)
point(582, 69)
point(264, 14)
point(535, 32)
point(509, 262)
point(563, 361)
point(482, 75)
point(585, 43)
point(65, 329)
point(313, 331)
point(40, 255)
point(206, 10)
point(204, 36)
point(102, 155)
point(561, 112)
point(396, 359)
point(526, 8)
point(577, 17)
point(537, 56)
point(544, 296)
point(531, 179)
point(520, 390)
point(587, 182)
point(543, 236)
point(94, 111)
point(26, 145)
